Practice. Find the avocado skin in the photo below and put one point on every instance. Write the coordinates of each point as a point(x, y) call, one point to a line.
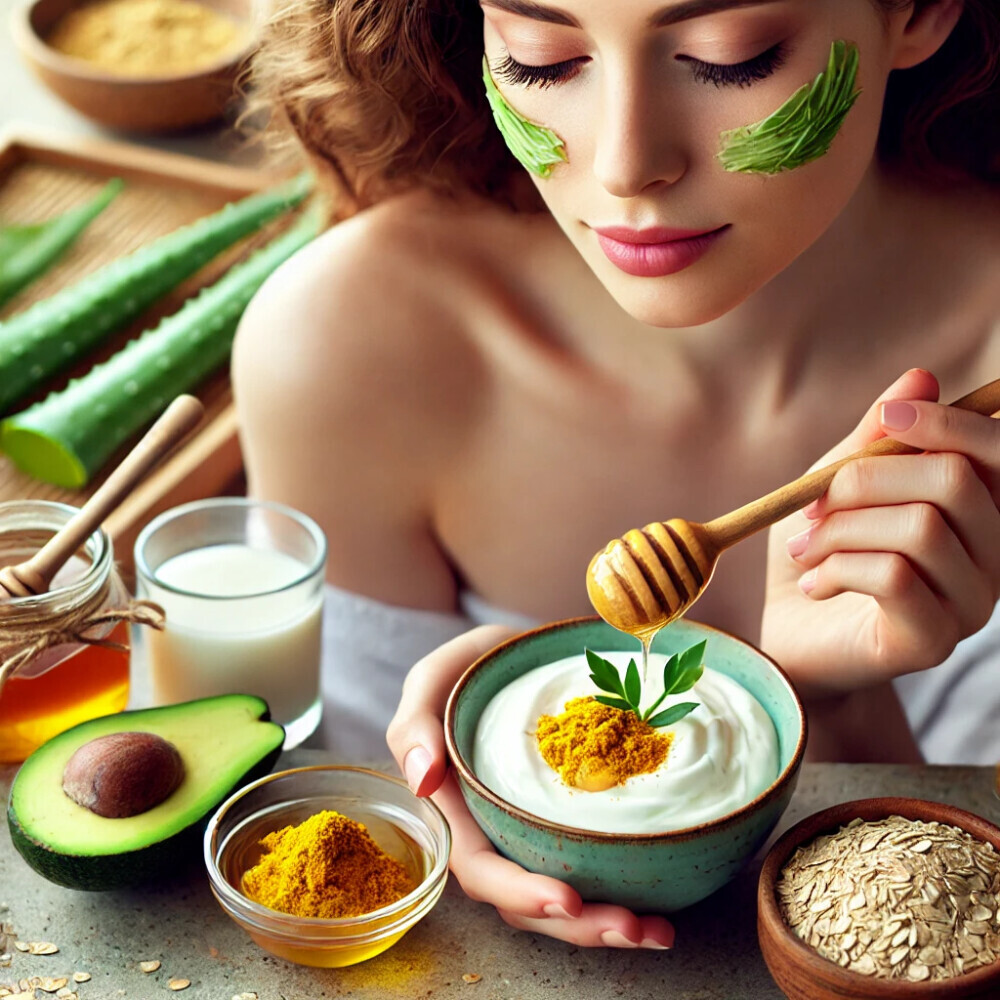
point(157, 861)
point(99, 873)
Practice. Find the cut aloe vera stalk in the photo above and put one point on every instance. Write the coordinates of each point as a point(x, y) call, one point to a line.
point(53, 334)
point(68, 436)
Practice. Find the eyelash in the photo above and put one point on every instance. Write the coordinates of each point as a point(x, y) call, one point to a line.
point(743, 74)
point(513, 72)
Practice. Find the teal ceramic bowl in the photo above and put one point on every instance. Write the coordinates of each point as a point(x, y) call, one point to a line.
point(655, 872)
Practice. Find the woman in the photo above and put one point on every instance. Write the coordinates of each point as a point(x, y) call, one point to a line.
point(486, 372)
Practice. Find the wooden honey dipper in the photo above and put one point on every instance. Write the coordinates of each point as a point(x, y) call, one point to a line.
point(35, 574)
point(650, 576)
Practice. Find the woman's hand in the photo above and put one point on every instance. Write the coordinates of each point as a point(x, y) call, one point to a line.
point(531, 902)
point(899, 560)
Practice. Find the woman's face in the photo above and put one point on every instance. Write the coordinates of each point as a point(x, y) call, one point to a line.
point(640, 91)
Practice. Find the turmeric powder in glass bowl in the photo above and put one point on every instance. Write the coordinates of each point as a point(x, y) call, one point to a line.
point(380, 853)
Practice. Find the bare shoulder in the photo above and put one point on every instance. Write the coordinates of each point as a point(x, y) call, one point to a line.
point(367, 298)
point(356, 383)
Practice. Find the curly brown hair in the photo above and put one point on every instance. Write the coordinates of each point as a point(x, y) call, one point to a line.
point(386, 95)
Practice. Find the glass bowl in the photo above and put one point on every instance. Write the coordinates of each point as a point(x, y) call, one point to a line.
point(411, 830)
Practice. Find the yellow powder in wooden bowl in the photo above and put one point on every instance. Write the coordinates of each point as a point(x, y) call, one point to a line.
point(147, 37)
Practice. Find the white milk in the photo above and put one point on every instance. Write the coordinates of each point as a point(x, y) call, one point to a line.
point(267, 645)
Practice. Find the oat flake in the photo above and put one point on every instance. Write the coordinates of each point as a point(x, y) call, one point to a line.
point(896, 899)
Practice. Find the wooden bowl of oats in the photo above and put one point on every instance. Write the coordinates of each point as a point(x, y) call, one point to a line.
point(883, 899)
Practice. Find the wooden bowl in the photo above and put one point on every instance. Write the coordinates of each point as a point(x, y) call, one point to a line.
point(129, 103)
point(801, 972)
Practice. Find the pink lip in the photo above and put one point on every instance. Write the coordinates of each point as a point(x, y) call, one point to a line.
point(653, 253)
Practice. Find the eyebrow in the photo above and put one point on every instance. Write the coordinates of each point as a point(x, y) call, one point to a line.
point(671, 15)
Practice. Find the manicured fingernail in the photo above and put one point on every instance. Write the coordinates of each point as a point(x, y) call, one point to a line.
point(416, 764)
point(897, 416)
point(797, 544)
point(555, 910)
point(807, 581)
point(615, 939)
point(650, 943)
point(811, 510)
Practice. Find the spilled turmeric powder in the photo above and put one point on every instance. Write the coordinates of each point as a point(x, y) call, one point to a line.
point(146, 37)
point(595, 747)
point(329, 867)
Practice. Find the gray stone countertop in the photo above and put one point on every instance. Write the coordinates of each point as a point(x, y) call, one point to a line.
point(716, 956)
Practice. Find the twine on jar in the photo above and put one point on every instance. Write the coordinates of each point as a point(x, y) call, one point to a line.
point(25, 638)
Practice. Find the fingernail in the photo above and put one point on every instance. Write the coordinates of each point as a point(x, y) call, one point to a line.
point(807, 581)
point(650, 943)
point(555, 910)
point(812, 510)
point(897, 416)
point(797, 544)
point(416, 764)
point(615, 939)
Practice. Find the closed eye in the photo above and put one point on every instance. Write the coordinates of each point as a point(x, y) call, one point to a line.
point(509, 70)
point(742, 74)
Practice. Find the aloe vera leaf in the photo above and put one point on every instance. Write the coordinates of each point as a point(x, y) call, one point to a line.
point(67, 437)
point(51, 335)
point(27, 252)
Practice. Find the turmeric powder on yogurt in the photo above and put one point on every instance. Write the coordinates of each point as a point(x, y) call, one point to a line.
point(594, 747)
point(146, 37)
point(328, 866)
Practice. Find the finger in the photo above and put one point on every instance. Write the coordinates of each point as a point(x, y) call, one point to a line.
point(913, 384)
point(913, 629)
point(601, 926)
point(935, 427)
point(415, 734)
point(947, 480)
point(489, 877)
point(919, 533)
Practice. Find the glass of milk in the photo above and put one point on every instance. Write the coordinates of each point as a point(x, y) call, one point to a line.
point(241, 582)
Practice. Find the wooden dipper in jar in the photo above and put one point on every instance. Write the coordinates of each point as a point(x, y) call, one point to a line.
point(35, 574)
point(650, 576)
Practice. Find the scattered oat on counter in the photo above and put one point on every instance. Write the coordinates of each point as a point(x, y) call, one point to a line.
point(42, 948)
point(49, 984)
point(244, 996)
point(178, 984)
point(471, 977)
point(81, 977)
point(150, 966)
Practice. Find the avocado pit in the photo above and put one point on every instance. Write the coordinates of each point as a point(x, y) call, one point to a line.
point(123, 774)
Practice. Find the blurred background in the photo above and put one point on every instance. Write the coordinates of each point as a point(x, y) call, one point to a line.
point(26, 100)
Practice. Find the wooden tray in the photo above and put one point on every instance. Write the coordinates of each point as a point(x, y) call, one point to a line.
point(43, 174)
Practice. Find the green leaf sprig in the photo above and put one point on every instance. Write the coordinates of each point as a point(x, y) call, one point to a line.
point(680, 673)
point(803, 127)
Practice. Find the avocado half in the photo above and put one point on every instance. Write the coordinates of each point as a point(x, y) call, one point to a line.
point(224, 742)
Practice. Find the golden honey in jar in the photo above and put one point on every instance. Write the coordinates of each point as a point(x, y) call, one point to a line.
point(71, 682)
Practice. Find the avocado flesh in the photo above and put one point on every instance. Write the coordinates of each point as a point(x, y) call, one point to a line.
point(223, 741)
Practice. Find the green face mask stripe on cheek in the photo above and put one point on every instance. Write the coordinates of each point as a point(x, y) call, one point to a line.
point(803, 127)
point(535, 147)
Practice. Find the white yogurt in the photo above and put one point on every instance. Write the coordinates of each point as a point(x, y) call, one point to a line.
point(723, 754)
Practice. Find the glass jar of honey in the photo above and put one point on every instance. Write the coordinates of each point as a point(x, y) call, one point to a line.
point(70, 682)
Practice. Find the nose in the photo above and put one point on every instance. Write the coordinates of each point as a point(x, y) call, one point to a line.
point(635, 146)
